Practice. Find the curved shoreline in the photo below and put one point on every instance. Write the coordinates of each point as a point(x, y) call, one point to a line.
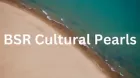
point(60, 28)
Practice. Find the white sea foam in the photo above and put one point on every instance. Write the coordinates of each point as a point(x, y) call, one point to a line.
point(49, 17)
point(121, 74)
point(106, 60)
point(66, 26)
point(62, 19)
point(112, 69)
point(45, 12)
point(59, 22)
point(26, 6)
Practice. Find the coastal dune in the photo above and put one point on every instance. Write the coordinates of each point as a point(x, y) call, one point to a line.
point(39, 61)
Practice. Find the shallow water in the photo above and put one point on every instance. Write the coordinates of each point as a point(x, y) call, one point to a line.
point(106, 17)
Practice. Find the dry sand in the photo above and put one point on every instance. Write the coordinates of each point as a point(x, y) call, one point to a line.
point(39, 61)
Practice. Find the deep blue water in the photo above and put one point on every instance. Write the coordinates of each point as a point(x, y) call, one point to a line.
point(106, 17)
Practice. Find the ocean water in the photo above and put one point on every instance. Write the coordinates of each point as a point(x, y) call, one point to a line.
point(106, 17)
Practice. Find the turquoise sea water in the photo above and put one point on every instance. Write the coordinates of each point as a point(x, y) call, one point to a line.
point(106, 17)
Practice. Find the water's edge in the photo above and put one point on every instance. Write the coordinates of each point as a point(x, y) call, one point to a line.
point(63, 28)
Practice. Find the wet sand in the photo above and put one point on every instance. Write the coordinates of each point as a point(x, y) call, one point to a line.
point(34, 61)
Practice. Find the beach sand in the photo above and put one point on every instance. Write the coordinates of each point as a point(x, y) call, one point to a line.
point(34, 61)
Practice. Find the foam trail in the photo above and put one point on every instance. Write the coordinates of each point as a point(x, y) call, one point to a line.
point(59, 22)
point(66, 26)
point(49, 17)
point(45, 12)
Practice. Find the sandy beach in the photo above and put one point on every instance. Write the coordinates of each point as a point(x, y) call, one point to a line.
point(34, 61)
